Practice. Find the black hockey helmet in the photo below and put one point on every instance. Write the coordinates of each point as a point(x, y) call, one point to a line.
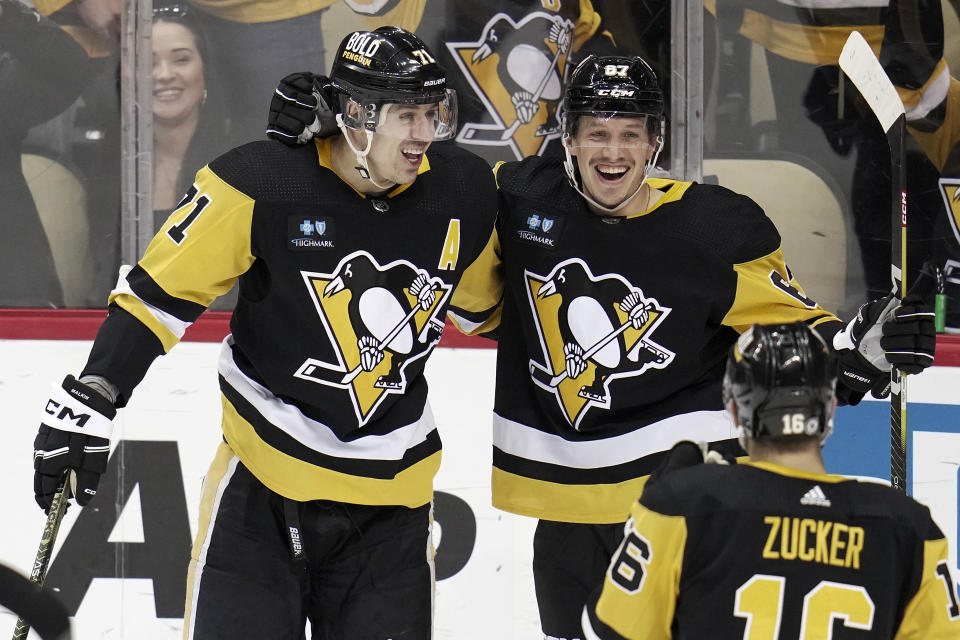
point(606, 86)
point(782, 380)
point(390, 65)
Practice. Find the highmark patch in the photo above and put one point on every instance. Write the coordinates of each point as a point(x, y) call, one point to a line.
point(305, 233)
point(540, 230)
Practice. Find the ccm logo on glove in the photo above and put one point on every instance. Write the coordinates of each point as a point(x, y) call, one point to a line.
point(79, 411)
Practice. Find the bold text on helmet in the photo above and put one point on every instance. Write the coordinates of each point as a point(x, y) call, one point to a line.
point(361, 43)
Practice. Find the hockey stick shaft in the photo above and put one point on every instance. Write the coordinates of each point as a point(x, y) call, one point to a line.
point(860, 64)
point(898, 382)
point(50, 528)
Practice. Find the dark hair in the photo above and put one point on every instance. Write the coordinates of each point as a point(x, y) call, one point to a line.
point(176, 13)
point(210, 138)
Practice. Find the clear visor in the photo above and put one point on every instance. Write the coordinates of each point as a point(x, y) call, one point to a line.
point(611, 130)
point(428, 122)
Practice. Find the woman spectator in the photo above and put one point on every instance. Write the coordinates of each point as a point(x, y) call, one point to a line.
point(189, 126)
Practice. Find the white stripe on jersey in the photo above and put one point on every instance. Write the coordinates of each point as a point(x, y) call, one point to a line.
point(176, 326)
point(935, 94)
point(526, 442)
point(314, 434)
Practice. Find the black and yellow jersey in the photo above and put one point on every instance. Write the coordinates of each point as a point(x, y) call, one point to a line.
point(907, 36)
point(761, 551)
point(613, 334)
point(253, 11)
point(342, 299)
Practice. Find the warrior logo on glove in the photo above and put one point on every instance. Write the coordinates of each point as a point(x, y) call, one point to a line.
point(379, 319)
point(593, 330)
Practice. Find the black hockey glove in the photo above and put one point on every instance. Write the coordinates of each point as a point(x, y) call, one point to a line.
point(303, 106)
point(74, 434)
point(688, 453)
point(885, 332)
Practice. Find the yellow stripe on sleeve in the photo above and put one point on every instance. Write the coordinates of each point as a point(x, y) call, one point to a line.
point(640, 590)
point(480, 288)
point(812, 45)
point(215, 249)
point(932, 614)
point(767, 295)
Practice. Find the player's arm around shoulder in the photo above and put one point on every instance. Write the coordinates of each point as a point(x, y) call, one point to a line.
point(933, 613)
point(639, 594)
point(476, 303)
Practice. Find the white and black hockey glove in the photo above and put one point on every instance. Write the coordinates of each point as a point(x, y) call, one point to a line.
point(885, 332)
point(74, 434)
point(302, 107)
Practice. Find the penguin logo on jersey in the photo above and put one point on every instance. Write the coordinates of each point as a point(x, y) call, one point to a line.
point(593, 330)
point(950, 190)
point(379, 319)
point(516, 69)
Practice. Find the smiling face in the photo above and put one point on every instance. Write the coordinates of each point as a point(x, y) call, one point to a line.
point(402, 137)
point(611, 154)
point(178, 82)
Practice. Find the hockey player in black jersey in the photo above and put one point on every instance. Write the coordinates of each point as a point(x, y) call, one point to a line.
point(775, 547)
point(694, 265)
point(347, 251)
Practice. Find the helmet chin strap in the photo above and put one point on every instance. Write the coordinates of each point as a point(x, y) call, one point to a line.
point(363, 167)
point(570, 169)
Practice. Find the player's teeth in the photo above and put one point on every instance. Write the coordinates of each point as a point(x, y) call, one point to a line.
point(612, 171)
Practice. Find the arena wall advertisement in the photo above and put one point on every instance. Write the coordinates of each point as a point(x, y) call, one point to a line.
point(143, 521)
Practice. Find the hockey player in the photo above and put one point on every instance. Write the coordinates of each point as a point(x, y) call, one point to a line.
point(317, 504)
point(506, 59)
point(775, 547)
point(619, 296)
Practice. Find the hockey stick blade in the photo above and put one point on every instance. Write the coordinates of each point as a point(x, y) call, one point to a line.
point(49, 536)
point(862, 67)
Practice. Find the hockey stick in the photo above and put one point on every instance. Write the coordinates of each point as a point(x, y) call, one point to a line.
point(57, 508)
point(862, 67)
point(539, 374)
point(353, 373)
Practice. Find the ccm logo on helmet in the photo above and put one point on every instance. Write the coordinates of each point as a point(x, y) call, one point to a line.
point(615, 93)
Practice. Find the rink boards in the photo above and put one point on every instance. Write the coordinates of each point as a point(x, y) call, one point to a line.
point(145, 515)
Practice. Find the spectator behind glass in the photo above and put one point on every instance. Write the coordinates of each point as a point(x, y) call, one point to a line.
point(189, 124)
point(254, 42)
point(42, 70)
